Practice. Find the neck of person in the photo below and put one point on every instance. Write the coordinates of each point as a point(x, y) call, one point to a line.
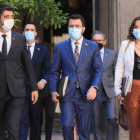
point(3, 31)
point(78, 39)
point(29, 43)
point(137, 42)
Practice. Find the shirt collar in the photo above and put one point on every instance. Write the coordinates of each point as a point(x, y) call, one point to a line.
point(102, 50)
point(8, 34)
point(80, 41)
point(32, 45)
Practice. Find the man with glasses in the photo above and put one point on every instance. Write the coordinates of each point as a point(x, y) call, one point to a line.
point(107, 98)
point(79, 59)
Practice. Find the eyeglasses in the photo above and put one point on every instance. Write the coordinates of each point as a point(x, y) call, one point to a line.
point(76, 26)
point(98, 40)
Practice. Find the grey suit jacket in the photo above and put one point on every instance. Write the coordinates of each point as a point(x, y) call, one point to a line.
point(109, 63)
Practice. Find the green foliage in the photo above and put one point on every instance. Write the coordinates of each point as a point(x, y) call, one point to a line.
point(47, 10)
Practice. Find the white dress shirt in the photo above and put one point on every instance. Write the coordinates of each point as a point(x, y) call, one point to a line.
point(79, 44)
point(31, 48)
point(102, 54)
point(8, 39)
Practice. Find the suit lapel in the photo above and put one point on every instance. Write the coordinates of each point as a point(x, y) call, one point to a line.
point(1, 56)
point(13, 42)
point(69, 50)
point(131, 49)
point(105, 57)
point(83, 51)
point(36, 53)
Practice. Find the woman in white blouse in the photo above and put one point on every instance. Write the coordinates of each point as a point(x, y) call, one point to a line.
point(128, 64)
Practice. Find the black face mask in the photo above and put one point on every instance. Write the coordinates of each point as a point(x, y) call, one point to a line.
point(100, 45)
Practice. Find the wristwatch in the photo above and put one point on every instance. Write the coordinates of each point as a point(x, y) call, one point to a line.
point(95, 87)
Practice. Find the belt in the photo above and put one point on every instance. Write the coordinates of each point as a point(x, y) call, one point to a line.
point(77, 85)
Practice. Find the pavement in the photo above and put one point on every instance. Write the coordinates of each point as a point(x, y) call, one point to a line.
point(58, 137)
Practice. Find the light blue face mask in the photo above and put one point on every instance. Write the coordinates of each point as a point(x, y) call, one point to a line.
point(30, 36)
point(75, 33)
point(136, 33)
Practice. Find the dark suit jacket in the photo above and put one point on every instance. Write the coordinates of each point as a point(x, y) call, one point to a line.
point(109, 63)
point(11, 68)
point(88, 72)
point(41, 61)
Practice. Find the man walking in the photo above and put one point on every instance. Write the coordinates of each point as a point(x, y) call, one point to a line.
point(79, 59)
point(32, 114)
point(13, 54)
point(107, 97)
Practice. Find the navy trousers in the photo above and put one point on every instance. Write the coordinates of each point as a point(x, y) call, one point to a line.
point(110, 107)
point(32, 117)
point(83, 111)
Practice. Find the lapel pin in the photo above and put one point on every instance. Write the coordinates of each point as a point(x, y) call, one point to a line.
point(38, 49)
point(86, 44)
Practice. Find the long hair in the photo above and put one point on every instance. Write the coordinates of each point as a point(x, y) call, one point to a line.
point(130, 35)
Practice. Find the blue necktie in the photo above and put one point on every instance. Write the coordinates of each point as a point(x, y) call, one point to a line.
point(4, 46)
point(29, 52)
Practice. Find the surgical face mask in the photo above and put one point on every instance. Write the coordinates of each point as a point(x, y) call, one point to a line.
point(100, 45)
point(8, 24)
point(75, 33)
point(136, 33)
point(30, 36)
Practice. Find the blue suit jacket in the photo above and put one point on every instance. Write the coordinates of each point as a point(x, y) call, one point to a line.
point(88, 72)
point(41, 61)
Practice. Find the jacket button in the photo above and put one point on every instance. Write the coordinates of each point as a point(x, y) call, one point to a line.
point(78, 72)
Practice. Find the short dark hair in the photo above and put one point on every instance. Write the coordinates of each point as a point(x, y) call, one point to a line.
point(29, 22)
point(98, 32)
point(77, 16)
point(5, 8)
point(130, 33)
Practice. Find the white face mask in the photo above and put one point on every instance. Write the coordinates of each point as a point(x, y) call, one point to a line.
point(8, 24)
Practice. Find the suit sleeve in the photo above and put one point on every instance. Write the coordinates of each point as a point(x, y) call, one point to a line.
point(55, 70)
point(115, 60)
point(29, 67)
point(47, 65)
point(97, 67)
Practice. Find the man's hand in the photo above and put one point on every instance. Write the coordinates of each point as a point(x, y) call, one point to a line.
point(34, 96)
point(41, 84)
point(119, 96)
point(54, 97)
point(91, 94)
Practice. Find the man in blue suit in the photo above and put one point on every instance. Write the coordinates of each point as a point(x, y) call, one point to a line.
point(41, 60)
point(79, 59)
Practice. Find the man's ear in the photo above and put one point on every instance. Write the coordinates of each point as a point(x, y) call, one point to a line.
point(35, 33)
point(105, 42)
point(1, 23)
point(83, 30)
